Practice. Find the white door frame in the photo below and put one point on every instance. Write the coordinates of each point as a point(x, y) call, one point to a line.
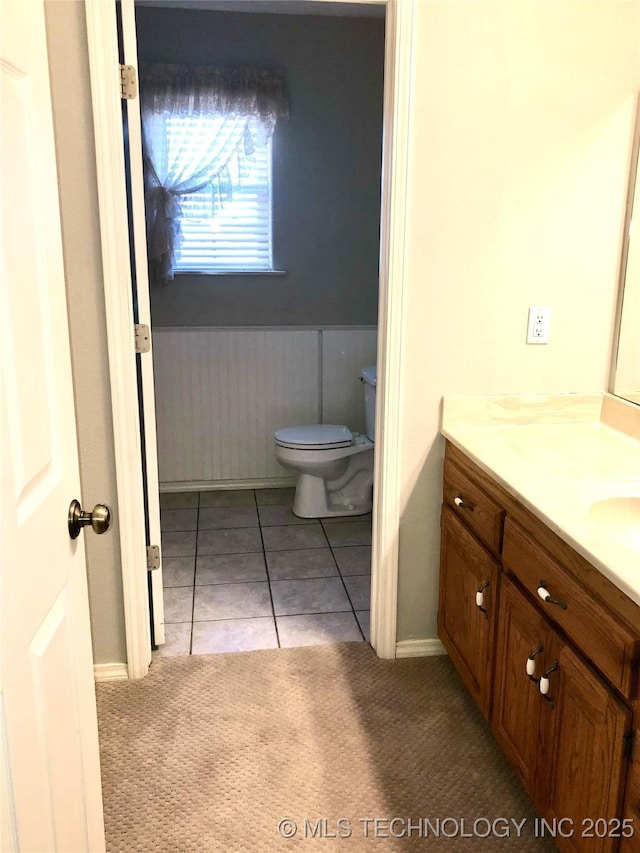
point(105, 89)
point(114, 233)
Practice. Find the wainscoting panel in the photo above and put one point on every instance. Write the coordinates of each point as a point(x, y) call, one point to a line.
point(344, 353)
point(222, 393)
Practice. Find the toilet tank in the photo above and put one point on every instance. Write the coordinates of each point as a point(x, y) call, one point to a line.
point(368, 377)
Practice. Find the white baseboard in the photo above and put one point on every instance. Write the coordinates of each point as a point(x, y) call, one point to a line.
point(419, 648)
point(110, 671)
point(221, 485)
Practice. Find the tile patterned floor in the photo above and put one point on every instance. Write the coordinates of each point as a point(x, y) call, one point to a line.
point(241, 572)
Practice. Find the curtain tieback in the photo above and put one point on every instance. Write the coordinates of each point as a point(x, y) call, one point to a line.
point(163, 224)
point(163, 201)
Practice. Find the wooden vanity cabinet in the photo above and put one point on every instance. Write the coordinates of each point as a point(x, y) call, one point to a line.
point(523, 636)
point(583, 754)
point(595, 629)
point(467, 606)
point(569, 746)
point(473, 506)
point(471, 536)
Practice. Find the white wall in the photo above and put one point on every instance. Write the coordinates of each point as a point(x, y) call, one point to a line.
point(521, 132)
point(627, 377)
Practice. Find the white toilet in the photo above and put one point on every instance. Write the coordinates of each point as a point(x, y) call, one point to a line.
point(334, 465)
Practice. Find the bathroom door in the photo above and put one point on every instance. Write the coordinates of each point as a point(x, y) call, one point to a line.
point(50, 793)
point(142, 310)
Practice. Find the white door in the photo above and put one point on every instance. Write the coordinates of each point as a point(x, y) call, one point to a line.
point(49, 771)
point(141, 278)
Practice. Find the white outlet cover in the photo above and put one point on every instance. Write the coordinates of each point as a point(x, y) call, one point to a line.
point(538, 325)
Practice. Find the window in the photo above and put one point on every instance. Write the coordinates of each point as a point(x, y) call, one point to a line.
point(207, 167)
point(226, 224)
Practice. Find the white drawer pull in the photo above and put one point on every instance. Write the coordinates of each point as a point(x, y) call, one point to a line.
point(543, 685)
point(531, 662)
point(458, 501)
point(545, 595)
point(480, 598)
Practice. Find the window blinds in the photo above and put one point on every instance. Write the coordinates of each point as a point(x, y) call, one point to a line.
point(226, 226)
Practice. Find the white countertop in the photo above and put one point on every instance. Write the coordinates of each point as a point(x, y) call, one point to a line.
point(560, 461)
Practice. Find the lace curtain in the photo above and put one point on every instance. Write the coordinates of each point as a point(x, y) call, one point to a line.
point(220, 114)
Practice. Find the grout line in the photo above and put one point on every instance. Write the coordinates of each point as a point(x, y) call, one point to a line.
point(347, 592)
point(313, 547)
point(281, 615)
point(353, 610)
point(266, 527)
point(195, 569)
point(266, 567)
point(269, 580)
point(338, 574)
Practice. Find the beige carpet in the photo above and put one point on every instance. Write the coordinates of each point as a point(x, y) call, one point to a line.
point(209, 753)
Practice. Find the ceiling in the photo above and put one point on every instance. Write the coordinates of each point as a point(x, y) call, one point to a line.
point(338, 8)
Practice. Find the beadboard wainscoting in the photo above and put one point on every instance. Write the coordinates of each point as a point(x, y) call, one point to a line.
point(221, 393)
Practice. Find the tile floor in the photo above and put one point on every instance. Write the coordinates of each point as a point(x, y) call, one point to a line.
point(241, 572)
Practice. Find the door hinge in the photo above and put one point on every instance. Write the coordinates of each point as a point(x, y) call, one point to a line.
point(142, 337)
point(153, 557)
point(128, 82)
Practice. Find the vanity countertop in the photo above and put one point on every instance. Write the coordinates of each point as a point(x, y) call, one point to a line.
point(570, 468)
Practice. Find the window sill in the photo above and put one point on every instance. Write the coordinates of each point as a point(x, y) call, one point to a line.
point(229, 272)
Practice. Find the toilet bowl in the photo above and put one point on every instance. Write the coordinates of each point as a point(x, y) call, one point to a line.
point(334, 465)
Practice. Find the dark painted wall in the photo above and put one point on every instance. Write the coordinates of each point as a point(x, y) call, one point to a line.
point(326, 166)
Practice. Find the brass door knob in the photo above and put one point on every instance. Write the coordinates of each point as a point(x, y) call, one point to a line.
point(99, 518)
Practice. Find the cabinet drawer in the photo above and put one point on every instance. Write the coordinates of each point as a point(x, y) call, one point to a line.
point(474, 506)
point(596, 631)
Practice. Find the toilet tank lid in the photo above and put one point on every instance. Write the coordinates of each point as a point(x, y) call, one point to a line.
point(369, 375)
point(314, 435)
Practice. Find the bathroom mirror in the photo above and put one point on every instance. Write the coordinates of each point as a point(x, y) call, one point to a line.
point(626, 356)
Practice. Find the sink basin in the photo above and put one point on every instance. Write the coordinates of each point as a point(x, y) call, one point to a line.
point(621, 516)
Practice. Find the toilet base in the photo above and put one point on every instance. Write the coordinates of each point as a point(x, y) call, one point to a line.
point(312, 501)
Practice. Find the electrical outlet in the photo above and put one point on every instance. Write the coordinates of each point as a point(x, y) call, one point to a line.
point(538, 326)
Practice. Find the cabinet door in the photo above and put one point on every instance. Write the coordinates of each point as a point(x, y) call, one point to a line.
point(524, 643)
point(466, 622)
point(584, 764)
point(631, 811)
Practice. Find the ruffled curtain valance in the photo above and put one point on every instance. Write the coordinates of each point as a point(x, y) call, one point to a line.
point(227, 113)
point(203, 90)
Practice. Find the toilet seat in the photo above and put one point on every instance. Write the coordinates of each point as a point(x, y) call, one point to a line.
point(314, 437)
